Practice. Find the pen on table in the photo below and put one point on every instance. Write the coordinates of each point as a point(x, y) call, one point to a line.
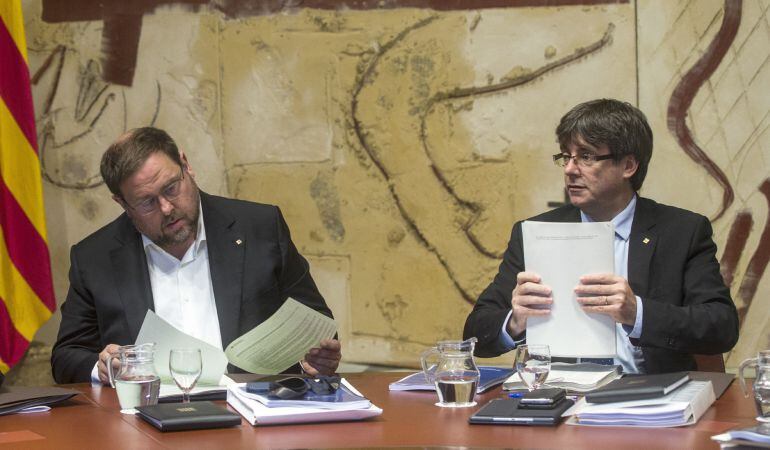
point(515, 394)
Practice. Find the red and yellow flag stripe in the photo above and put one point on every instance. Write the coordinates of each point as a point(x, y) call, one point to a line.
point(26, 290)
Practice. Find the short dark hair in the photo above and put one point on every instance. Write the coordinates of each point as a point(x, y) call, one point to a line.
point(620, 126)
point(126, 155)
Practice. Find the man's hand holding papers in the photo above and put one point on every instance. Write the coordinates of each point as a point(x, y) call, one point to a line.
point(273, 346)
point(561, 254)
point(529, 298)
point(609, 294)
point(284, 339)
point(324, 359)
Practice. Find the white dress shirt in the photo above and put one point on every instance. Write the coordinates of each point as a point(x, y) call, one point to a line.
point(181, 289)
point(628, 355)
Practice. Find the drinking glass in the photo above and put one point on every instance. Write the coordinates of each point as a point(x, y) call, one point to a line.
point(185, 365)
point(532, 362)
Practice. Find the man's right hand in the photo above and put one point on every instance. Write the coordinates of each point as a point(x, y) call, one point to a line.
point(109, 350)
point(530, 298)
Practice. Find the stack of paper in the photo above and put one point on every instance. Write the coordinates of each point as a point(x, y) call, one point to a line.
point(577, 378)
point(684, 406)
point(170, 392)
point(490, 377)
point(754, 437)
point(254, 409)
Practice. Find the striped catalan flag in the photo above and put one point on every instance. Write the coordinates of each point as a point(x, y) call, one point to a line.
point(26, 290)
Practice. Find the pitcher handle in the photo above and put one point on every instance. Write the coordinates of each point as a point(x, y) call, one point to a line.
point(109, 369)
point(424, 363)
point(746, 363)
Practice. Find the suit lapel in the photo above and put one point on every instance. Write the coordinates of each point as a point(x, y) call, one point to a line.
point(641, 246)
point(129, 264)
point(570, 214)
point(225, 245)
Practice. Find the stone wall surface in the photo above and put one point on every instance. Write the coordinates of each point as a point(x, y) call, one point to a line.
point(402, 143)
point(703, 72)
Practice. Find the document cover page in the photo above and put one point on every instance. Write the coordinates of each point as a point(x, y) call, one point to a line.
point(561, 253)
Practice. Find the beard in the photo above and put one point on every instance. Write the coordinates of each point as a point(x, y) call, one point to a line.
point(188, 229)
point(188, 225)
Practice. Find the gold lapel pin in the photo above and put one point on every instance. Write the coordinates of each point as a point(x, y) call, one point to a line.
point(646, 240)
point(238, 241)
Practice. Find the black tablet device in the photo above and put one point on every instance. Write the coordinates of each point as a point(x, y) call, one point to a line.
point(506, 411)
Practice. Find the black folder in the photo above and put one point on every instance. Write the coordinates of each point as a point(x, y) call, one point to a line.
point(16, 398)
point(638, 387)
point(188, 416)
point(506, 411)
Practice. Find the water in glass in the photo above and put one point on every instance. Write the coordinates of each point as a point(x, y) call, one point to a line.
point(533, 376)
point(451, 368)
point(456, 390)
point(140, 391)
point(136, 382)
point(533, 363)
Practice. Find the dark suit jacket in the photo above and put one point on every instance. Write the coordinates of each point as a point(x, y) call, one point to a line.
point(687, 307)
point(110, 291)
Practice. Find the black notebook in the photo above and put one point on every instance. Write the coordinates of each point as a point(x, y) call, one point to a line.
point(638, 387)
point(506, 411)
point(188, 416)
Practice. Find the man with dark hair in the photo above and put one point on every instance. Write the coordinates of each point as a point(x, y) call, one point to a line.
point(667, 296)
point(211, 266)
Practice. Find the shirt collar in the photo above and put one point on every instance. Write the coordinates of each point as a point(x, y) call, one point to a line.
point(199, 239)
point(622, 222)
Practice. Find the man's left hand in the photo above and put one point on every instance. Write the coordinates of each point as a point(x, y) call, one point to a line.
point(609, 294)
point(324, 359)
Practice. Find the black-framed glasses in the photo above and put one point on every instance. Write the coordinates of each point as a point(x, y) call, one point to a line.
point(170, 192)
point(582, 159)
point(295, 387)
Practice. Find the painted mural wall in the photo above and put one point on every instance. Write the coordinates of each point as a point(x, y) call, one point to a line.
point(401, 141)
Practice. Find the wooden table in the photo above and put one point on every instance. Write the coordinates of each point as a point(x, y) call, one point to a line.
point(409, 419)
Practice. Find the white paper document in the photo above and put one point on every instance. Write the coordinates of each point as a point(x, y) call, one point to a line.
point(561, 253)
point(282, 340)
point(684, 406)
point(166, 337)
point(172, 390)
point(575, 378)
point(752, 437)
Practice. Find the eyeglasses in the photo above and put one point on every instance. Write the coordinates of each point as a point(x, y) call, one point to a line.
point(170, 193)
point(582, 159)
point(295, 387)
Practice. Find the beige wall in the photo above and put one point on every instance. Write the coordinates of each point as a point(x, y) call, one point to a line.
point(402, 144)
